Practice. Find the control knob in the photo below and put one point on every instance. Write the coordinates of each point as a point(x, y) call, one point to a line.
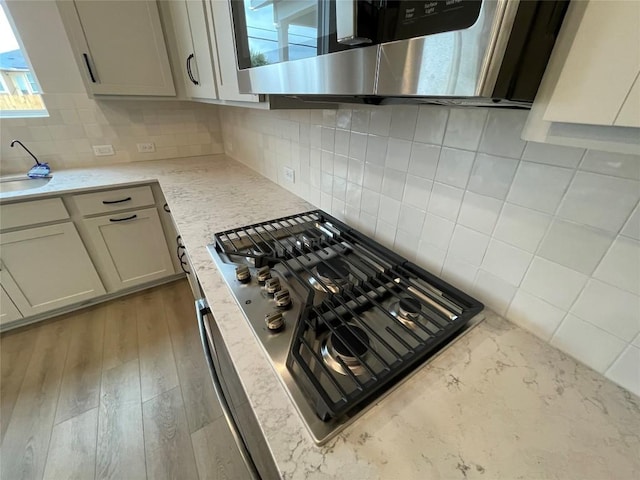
point(274, 321)
point(282, 299)
point(243, 274)
point(272, 285)
point(264, 274)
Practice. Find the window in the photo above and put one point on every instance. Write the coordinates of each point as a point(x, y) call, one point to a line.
point(19, 89)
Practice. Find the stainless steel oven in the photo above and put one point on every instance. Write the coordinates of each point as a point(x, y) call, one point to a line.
point(459, 51)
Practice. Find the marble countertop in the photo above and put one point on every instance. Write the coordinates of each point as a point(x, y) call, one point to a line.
point(499, 403)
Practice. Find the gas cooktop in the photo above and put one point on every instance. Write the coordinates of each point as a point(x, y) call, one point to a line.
point(342, 318)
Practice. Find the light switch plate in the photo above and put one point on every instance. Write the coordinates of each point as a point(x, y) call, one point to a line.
point(103, 150)
point(290, 174)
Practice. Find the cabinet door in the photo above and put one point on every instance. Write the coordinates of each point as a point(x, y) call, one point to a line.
point(46, 268)
point(120, 46)
point(193, 43)
point(224, 44)
point(8, 311)
point(131, 247)
point(601, 67)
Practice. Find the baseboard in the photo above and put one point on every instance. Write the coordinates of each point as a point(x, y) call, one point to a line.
point(88, 303)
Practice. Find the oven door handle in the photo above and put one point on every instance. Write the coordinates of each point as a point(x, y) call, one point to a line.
point(202, 309)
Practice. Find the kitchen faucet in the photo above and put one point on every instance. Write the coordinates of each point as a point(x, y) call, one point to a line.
point(39, 169)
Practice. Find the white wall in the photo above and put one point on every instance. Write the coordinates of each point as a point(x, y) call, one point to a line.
point(547, 236)
point(76, 122)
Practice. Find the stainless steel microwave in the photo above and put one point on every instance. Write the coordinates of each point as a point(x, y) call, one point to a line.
point(380, 51)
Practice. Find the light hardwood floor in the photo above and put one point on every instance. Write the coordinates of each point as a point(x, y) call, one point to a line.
point(116, 391)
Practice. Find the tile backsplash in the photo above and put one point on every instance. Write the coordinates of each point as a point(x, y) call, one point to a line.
point(77, 122)
point(547, 236)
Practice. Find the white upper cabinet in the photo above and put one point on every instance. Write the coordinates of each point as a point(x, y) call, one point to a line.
point(223, 42)
point(119, 46)
point(590, 94)
point(601, 68)
point(193, 44)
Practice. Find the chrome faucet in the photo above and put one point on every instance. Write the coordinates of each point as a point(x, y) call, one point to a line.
point(39, 169)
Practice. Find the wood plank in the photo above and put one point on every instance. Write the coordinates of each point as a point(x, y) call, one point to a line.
point(217, 456)
point(80, 389)
point(200, 402)
point(26, 442)
point(15, 353)
point(72, 454)
point(120, 333)
point(120, 451)
point(166, 438)
point(158, 372)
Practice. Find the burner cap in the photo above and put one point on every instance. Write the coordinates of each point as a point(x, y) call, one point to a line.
point(334, 269)
point(409, 306)
point(353, 339)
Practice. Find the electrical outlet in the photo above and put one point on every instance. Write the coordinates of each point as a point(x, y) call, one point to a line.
point(146, 147)
point(103, 150)
point(290, 174)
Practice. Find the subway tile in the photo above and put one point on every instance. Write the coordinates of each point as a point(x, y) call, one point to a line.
point(357, 146)
point(327, 162)
point(632, 227)
point(337, 208)
point(600, 201)
point(506, 261)
point(389, 210)
point(327, 138)
point(354, 195)
point(339, 188)
point(393, 183)
point(493, 291)
point(403, 121)
point(575, 246)
point(343, 118)
point(431, 124)
point(417, 191)
point(479, 212)
point(370, 202)
point(445, 201)
point(554, 283)
point(454, 167)
point(502, 133)
point(367, 222)
point(468, 245)
point(587, 343)
point(411, 220)
point(329, 118)
point(539, 187)
point(621, 265)
point(406, 244)
point(625, 371)
point(327, 183)
point(430, 258)
point(373, 175)
point(340, 166)
point(315, 136)
point(398, 154)
point(424, 160)
point(557, 155)
point(342, 142)
point(385, 233)
point(534, 314)
point(492, 175)
point(459, 273)
point(355, 171)
point(376, 150)
point(360, 120)
point(609, 308)
point(521, 227)
point(315, 158)
point(464, 127)
point(609, 163)
point(380, 121)
point(437, 231)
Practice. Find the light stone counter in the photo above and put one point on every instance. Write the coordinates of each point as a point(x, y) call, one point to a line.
point(500, 403)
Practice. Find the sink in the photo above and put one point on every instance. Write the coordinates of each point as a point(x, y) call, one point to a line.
point(16, 184)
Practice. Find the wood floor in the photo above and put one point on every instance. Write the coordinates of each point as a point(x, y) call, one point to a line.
point(117, 391)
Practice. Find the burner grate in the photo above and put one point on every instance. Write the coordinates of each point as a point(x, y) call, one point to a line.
point(377, 276)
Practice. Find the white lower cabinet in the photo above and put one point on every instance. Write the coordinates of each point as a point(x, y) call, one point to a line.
point(45, 268)
point(8, 311)
point(129, 248)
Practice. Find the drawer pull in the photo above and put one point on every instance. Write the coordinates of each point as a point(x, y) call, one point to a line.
point(123, 219)
point(111, 202)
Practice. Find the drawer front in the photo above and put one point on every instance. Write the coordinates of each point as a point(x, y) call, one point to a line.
point(23, 214)
point(113, 200)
